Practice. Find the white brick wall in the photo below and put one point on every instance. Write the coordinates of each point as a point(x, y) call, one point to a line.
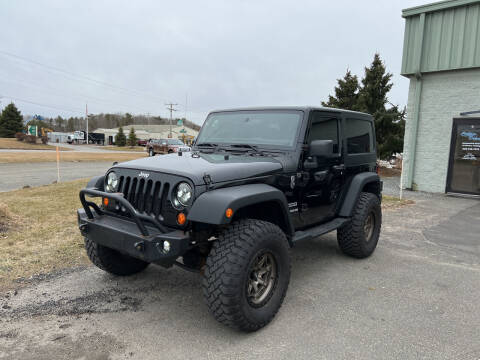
point(444, 96)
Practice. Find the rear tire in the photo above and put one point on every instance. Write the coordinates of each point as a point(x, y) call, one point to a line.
point(113, 261)
point(247, 274)
point(359, 237)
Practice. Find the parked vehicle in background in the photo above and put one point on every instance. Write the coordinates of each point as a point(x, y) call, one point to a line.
point(142, 142)
point(96, 138)
point(78, 137)
point(165, 146)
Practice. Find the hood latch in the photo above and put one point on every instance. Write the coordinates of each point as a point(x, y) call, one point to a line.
point(208, 180)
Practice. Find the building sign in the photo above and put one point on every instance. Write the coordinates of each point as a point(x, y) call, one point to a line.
point(32, 130)
point(470, 144)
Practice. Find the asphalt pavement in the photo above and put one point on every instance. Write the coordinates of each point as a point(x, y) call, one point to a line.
point(417, 297)
point(15, 176)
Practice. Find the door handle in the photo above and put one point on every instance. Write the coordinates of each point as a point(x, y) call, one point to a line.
point(338, 168)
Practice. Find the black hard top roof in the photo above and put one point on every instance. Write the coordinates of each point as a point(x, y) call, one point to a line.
point(301, 108)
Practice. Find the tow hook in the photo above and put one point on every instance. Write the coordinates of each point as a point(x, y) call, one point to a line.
point(140, 246)
point(83, 229)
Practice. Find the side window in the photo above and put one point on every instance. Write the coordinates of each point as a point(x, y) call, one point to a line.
point(359, 136)
point(324, 129)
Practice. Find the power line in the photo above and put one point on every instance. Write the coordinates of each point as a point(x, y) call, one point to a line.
point(73, 96)
point(82, 77)
point(44, 105)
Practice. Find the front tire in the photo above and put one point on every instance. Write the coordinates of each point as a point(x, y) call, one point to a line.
point(247, 274)
point(113, 261)
point(359, 237)
point(151, 152)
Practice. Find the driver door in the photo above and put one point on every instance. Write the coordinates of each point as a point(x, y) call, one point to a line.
point(326, 179)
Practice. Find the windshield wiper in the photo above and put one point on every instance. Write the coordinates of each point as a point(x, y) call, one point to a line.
point(211, 145)
point(246, 147)
point(205, 146)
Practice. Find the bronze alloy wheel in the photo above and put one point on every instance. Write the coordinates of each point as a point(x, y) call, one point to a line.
point(262, 279)
point(369, 226)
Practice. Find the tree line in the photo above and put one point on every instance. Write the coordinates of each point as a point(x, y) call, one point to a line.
point(12, 122)
point(107, 121)
point(370, 96)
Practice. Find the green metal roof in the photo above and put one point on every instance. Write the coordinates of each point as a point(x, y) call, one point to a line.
point(441, 5)
point(441, 36)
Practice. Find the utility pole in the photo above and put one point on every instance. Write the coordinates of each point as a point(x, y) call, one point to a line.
point(86, 116)
point(171, 109)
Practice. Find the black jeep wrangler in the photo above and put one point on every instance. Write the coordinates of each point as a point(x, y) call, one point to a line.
point(256, 181)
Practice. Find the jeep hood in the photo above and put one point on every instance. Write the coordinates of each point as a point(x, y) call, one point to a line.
point(194, 167)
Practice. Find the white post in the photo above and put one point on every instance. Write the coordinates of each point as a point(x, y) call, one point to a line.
point(86, 115)
point(58, 165)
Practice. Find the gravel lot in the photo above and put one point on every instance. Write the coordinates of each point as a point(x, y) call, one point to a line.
point(416, 297)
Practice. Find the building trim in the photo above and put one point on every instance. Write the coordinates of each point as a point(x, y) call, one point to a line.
point(441, 5)
point(416, 112)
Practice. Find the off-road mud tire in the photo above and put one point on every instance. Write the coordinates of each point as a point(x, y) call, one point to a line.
point(351, 237)
point(228, 270)
point(112, 261)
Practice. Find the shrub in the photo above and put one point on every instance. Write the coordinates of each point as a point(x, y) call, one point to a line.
point(44, 139)
point(20, 136)
point(31, 139)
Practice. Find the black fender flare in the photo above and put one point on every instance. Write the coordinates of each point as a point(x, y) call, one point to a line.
point(210, 206)
point(356, 185)
point(96, 183)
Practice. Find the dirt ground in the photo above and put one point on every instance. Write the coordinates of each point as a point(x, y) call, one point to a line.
point(9, 143)
point(416, 297)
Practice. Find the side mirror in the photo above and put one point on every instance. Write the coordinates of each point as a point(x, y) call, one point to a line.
point(322, 148)
point(318, 149)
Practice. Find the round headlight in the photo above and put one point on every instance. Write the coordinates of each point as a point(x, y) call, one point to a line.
point(112, 182)
point(183, 195)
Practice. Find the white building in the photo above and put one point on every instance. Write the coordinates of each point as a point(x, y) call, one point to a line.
point(441, 58)
point(146, 132)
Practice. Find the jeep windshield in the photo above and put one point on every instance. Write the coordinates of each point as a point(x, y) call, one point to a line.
point(264, 128)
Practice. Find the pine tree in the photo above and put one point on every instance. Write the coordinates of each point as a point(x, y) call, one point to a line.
point(132, 138)
point(346, 93)
point(11, 121)
point(372, 99)
point(128, 120)
point(120, 139)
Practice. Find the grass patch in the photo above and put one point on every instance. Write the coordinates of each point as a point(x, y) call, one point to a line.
point(125, 148)
point(390, 202)
point(14, 144)
point(41, 233)
point(73, 156)
point(386, 172)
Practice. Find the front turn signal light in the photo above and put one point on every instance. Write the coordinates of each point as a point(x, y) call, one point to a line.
point(181, 218)
point(105, 201)
point(229, 213)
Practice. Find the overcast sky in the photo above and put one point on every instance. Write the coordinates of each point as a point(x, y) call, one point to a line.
point(133, 56)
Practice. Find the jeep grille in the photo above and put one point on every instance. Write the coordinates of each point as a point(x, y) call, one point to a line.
point(146, 195)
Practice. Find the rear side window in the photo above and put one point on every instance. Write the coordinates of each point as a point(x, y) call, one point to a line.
point(359, 134)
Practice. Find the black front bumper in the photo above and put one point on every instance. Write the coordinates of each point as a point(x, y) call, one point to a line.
point(139, 236)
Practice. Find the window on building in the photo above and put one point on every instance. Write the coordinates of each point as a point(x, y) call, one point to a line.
point(324, 129)
point(359, 136)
